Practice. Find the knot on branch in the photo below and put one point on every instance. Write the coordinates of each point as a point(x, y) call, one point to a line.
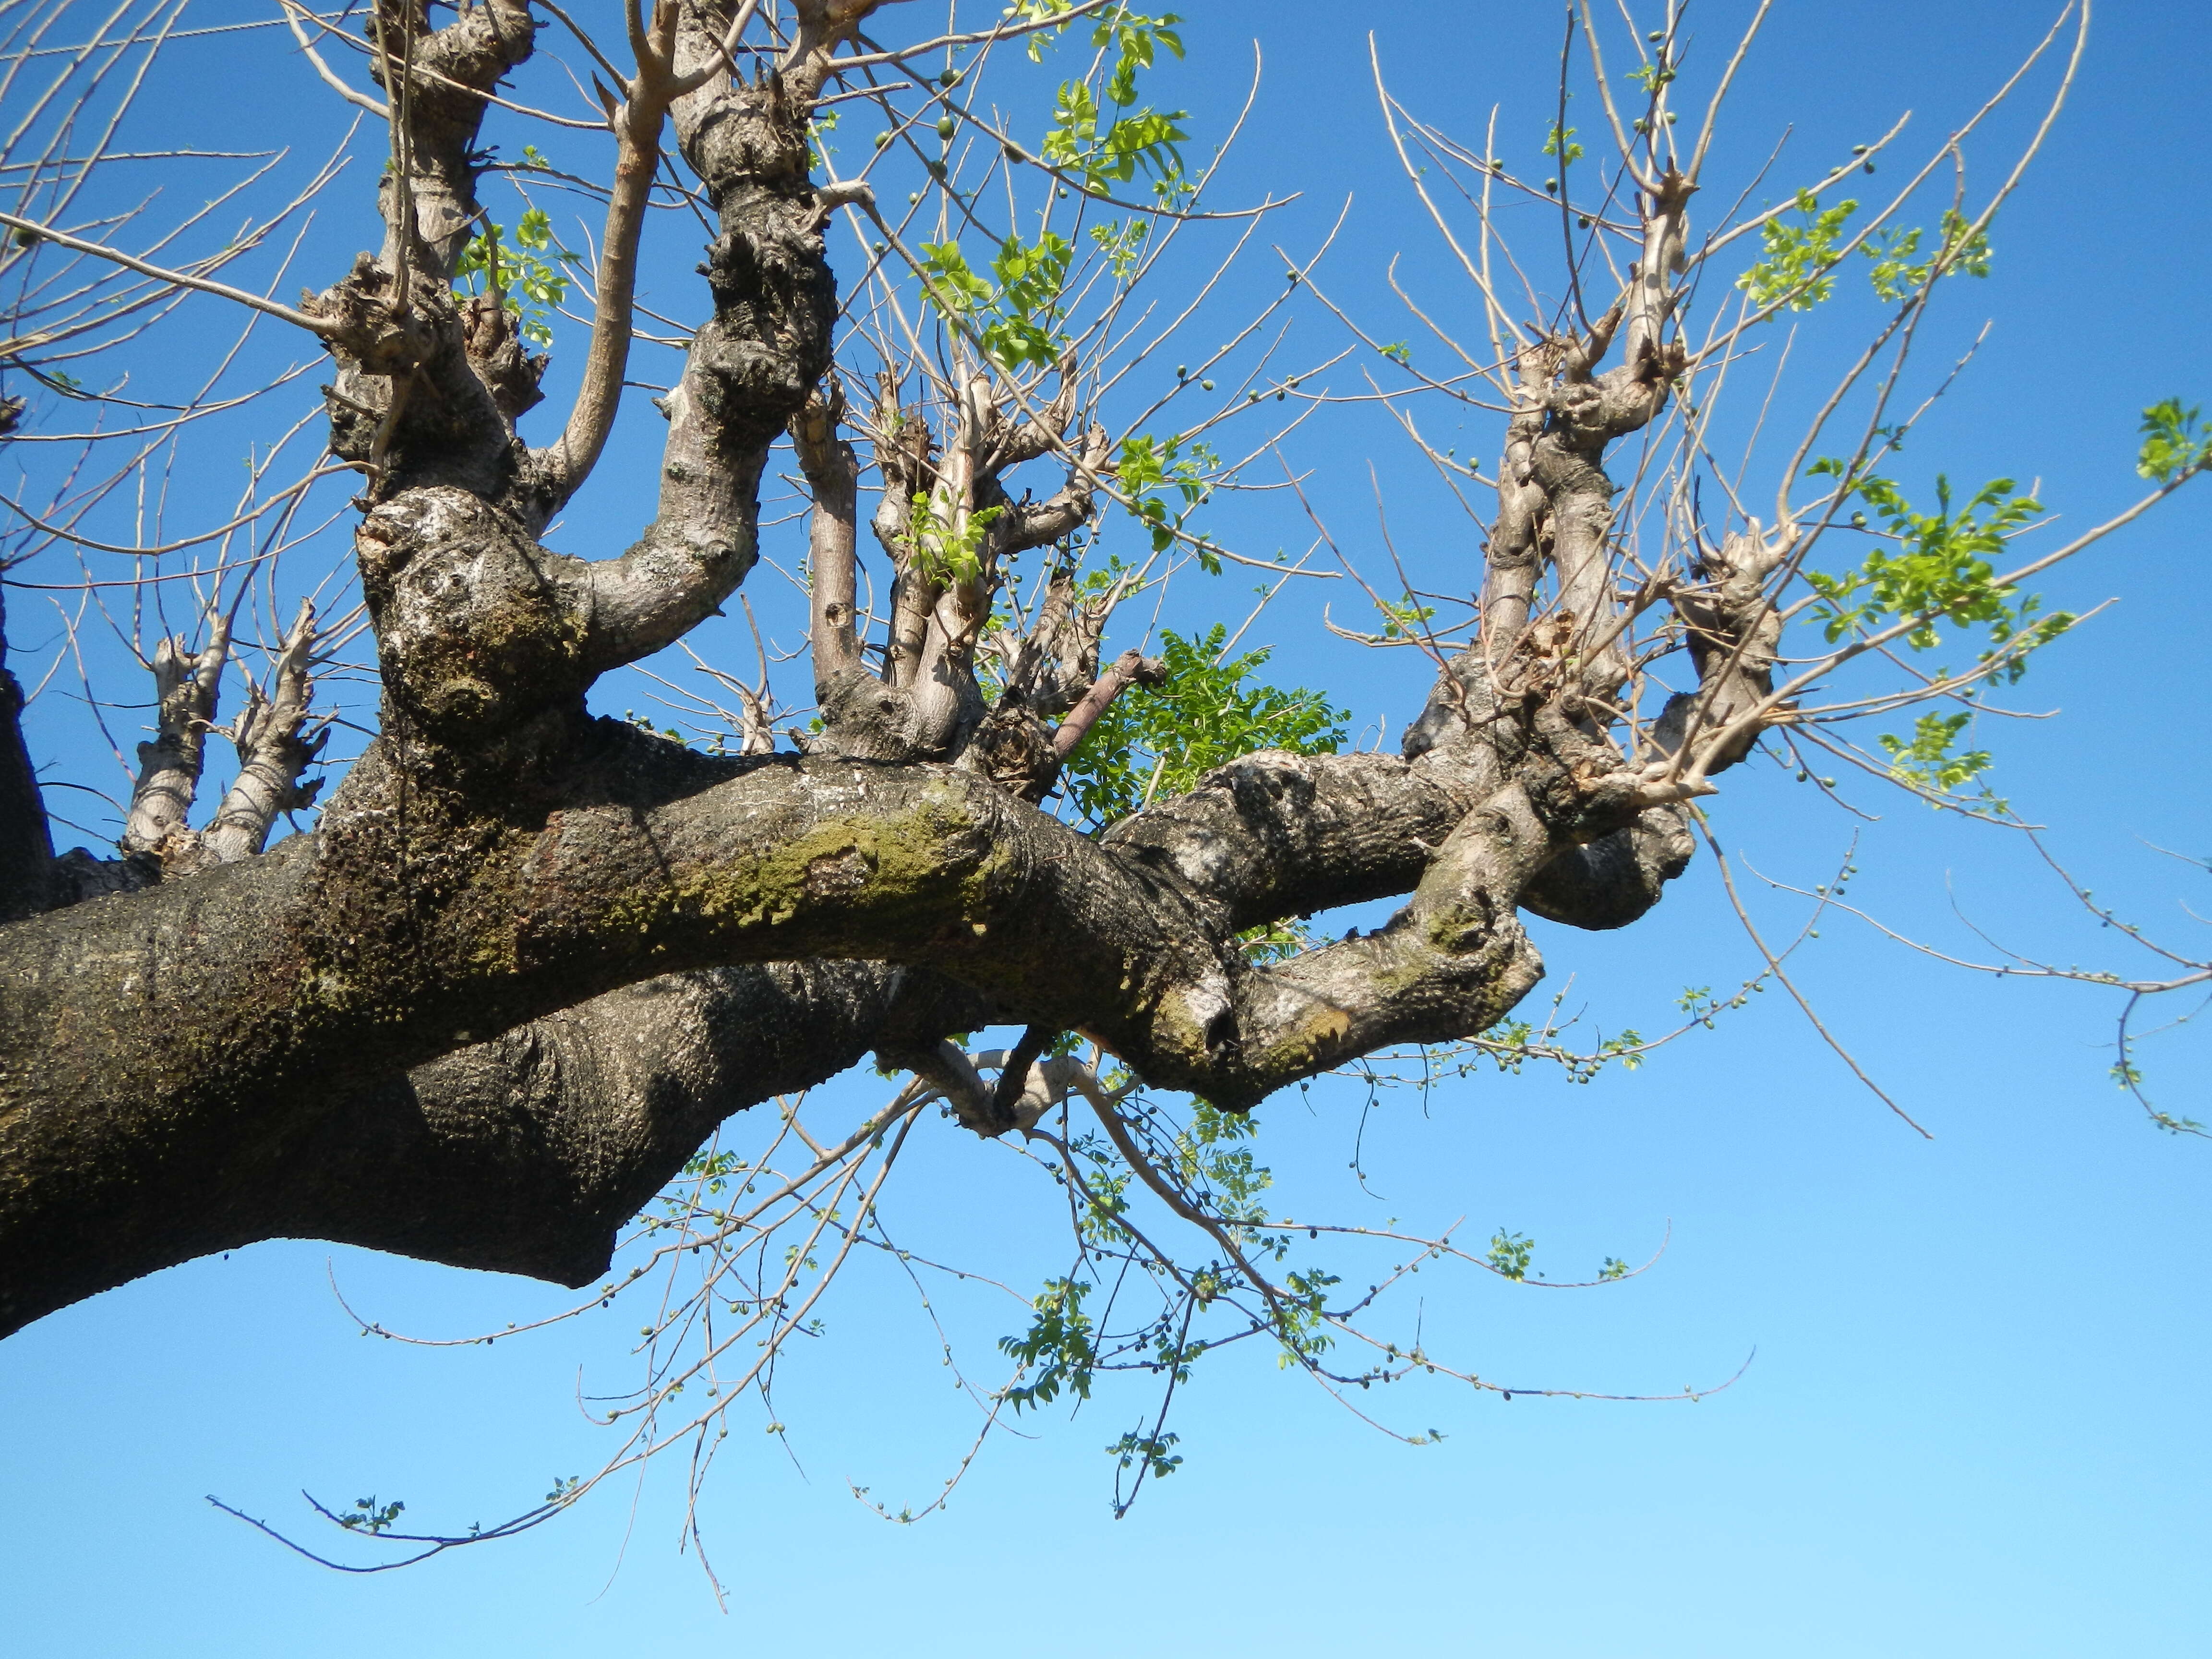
point(750, 142)
point(905, 447)
point(428, 383)
point(1733, 631)
point(509, 373)
point(1014, 749)
point(826, 458)
point(370, 330)
point(867, 718)
point(754, 365)
point(1616, 879)
point(480, 631)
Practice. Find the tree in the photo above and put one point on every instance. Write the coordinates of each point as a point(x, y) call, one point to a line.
point(527, 959)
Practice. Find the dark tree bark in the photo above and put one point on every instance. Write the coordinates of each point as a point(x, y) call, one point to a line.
point(522, 1155)
point(27, 847)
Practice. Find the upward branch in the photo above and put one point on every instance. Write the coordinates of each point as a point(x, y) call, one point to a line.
point(637, 123)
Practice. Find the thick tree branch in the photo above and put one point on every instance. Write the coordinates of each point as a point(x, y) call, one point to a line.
point(750, 365)
point(525, 1154)
point(428, 386)
point(1515, 552)
point(430, 209)
point(1038, 524)
point(557, 929)
point(1049, 668)
point(420, 917)
point(1735, 629)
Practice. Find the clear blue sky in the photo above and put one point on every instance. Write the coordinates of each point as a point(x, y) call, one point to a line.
point(1976, 1422)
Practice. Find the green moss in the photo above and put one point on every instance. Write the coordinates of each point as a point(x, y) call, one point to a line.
point(849, 874)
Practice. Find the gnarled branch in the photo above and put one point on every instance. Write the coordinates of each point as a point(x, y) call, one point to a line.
point(185, 684)
point(272, 753)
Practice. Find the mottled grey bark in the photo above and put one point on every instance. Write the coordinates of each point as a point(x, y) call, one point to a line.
point(185, 684)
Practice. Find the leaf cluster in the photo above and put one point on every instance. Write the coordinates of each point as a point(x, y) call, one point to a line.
point(1941, 568)
point(1018, 321)
point(1926, 759)
point(528, 276)
point(1965, 250)
point(946, 551)
point(1103, 141)
point(2174, 442)
point(1149, 469)
point(1209, 711)
point(1800, 257)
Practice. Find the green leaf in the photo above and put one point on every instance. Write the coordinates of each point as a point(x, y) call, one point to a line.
point(1058, 1346)
point(1147, 465)
point(530, 276)
point(1939, 571)
point(1121, 243)
point(1159, 742)
point(1083, 140)
point(1510, 1254)
point(1966, 250)
point(1033, 11)
point(1017, 321)
point(954, 289)
point(2174, 443)
point(370, 1517)
point(944, 552)
point(1798, 256)
point(1926, 759)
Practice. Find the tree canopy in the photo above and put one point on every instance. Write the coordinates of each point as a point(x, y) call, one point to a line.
point(557, 844)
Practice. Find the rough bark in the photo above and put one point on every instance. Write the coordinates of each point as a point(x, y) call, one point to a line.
point(150, 1042)
point(1734, 630)
point(527, 958)
point(27, 847)
point(521, 1155)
